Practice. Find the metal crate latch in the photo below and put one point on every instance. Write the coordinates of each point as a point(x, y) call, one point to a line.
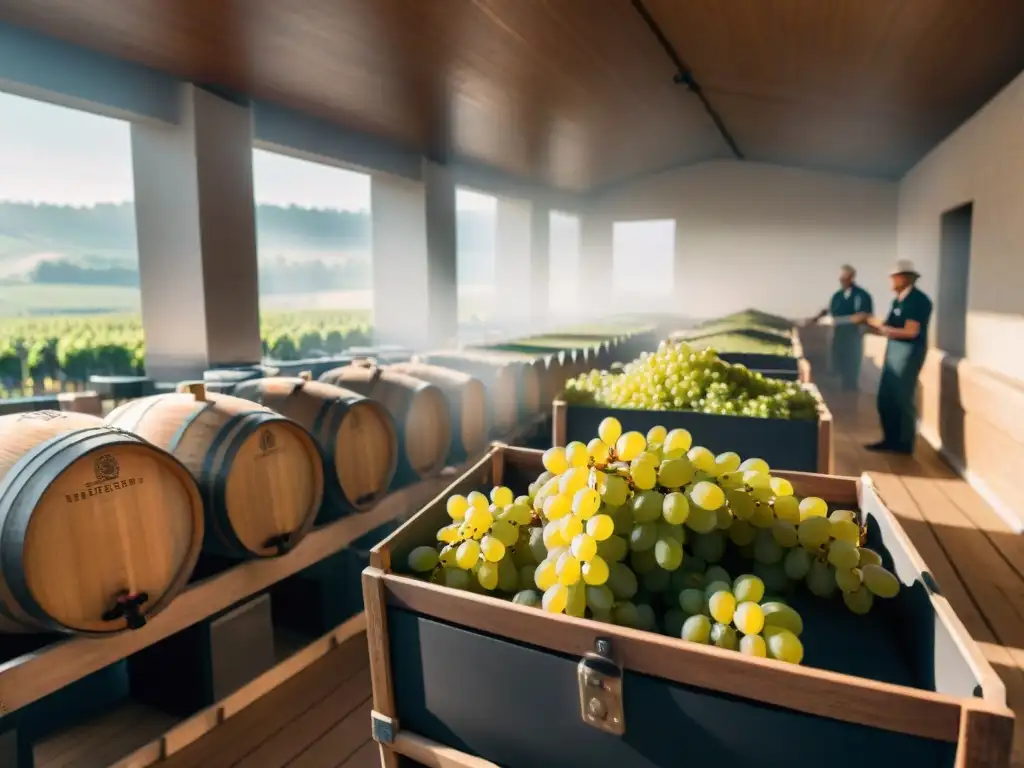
point(600, 683)
point(382, 728)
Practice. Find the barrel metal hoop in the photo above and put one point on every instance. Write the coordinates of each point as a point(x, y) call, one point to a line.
point(139, 409)
point(210, 485)
point(327, 421)
point(179, 434)
point(16, 516)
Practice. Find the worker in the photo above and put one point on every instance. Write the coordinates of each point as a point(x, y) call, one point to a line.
point(906, 328)
point(849, 302)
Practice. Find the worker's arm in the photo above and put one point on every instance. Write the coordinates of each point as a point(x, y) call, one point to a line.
point(909, 331)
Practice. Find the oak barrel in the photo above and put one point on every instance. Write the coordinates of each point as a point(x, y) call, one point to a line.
point(99, 530)
point(500, 378)
point(419, 409)
point(260, 474)
point(356, 435)
point(530, 376)
point(467, 403)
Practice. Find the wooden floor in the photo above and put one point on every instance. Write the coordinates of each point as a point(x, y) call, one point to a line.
point(320, 718)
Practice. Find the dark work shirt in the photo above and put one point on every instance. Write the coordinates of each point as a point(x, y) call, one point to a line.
point(916, 306)
point(858, 301)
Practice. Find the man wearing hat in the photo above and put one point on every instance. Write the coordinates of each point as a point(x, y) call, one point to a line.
point(906, 328)
point(848, 304)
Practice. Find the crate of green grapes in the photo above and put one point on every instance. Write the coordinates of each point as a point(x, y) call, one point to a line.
point(611, 605)
point(724, 407)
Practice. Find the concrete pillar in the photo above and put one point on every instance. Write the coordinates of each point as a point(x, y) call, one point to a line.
point(540, 265)
point(442, 254)
point(512, 268)
point(415, 300)
point(596, 292)
point(196, 224)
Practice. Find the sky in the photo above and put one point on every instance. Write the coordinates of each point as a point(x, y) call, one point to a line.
point(64, 156)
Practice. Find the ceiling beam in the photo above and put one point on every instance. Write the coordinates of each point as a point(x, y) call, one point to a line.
point(684, 76)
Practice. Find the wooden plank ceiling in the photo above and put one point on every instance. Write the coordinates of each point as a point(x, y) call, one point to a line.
point(579, 94)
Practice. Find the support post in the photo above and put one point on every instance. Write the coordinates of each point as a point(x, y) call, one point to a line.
point(521, 264)
point(196, 224)
point(415, 303)
point(596, 259)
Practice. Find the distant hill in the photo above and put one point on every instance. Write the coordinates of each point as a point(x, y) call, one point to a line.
point(302, 249)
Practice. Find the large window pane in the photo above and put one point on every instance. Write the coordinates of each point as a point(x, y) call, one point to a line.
point(69, 282)
point(315, 256)
point(564, 265)
point(644, 254)
point(476, 222)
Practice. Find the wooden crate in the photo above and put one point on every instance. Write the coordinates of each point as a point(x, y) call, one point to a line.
point(471, 680)
point(796, 445)
point(769, 365)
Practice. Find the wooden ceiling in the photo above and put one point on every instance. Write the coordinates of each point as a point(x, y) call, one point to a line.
point(579, 94)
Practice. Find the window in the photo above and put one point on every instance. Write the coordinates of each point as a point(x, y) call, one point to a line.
point(313, 232)
point(564, 265)
point(643, 255)
point(69, 267)
point(476, 233)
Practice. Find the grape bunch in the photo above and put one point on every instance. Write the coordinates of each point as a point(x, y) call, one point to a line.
point(639, 531)
point(478, 545)
point(736, 616)
point(679, 378)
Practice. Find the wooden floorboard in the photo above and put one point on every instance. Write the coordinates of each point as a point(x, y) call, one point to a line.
point(320, 719)
point(325, 703)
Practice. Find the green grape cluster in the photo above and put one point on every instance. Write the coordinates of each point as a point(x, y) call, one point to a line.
point(678, 377)
point(734, 615)
point(484, 546)
point(635, 530)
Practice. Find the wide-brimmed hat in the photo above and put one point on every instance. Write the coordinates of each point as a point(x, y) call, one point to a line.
point(904, 267)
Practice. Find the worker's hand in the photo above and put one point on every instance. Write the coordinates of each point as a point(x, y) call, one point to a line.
point(858, 318)
point(872, 322)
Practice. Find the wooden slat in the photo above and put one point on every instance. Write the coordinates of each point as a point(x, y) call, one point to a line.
point(434, 755)
point(231, 742)
point(364, 757)
point(342, 741)
point(375, 605)
point(288, 743)
point(983, 739)
point(102, 740)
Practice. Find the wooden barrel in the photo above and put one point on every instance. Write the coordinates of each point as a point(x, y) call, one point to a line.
point(260, 474)
point(527, 380)
point(467, 403)
point(550, 374)
point(356, 435)
point(99, 530)
point(419, 409)
point(532, 373)
point(499, 379)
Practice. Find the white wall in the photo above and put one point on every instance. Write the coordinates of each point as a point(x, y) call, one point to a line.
point(756, 235)
point(983, 162)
